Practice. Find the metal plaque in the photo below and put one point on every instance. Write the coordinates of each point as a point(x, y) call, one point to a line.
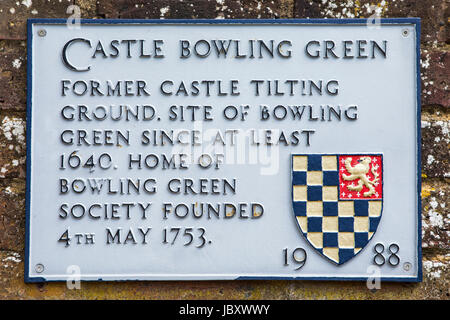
point(223, 149)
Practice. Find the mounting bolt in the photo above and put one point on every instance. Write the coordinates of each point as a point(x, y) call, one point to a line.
point(42, 33)
point(407, 266)
point(39, 268)
point(405, 32)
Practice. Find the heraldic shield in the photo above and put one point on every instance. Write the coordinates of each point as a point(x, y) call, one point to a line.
point(337, 201)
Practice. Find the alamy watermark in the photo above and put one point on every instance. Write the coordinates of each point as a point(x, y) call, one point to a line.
point(74, 277)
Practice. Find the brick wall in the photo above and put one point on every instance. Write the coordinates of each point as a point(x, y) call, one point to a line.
point(435, 75)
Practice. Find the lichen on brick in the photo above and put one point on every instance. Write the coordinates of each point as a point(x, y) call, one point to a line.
point(12, 147)
point(435, 146)
point(437, 267)
point(196, 9)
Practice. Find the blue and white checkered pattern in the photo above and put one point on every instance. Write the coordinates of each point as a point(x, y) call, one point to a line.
point(338, 229)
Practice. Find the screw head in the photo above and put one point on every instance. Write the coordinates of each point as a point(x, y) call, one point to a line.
point(407, 266)
point(42, 33)
point(39, 268)
point(405, 32)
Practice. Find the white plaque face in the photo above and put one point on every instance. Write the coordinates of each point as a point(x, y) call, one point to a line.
point(197, 150)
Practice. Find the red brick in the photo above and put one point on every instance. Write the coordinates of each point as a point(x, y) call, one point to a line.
point(435, 75)
point(436, 215)
point(14, 15)
point(435, 146)
point(12, 215)
point(12, 146)
point(201, 9)
point(13, 75)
